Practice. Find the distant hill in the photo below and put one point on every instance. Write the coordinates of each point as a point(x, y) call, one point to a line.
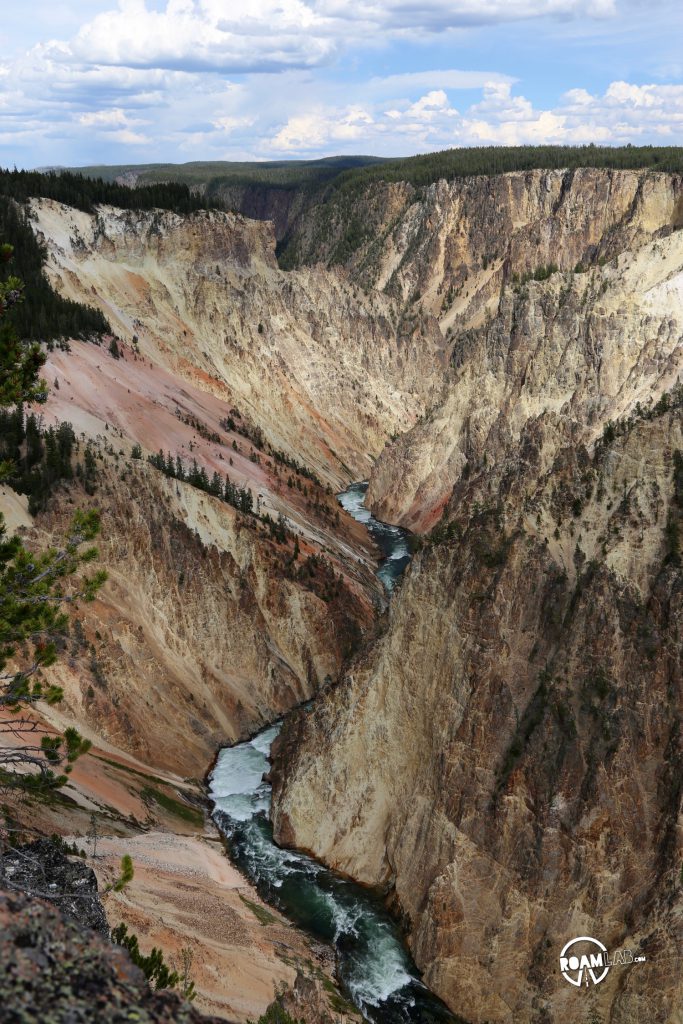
point(213, 175)
point(360, 170)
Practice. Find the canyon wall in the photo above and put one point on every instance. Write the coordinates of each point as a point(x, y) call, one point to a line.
point(317, 363)
point(506, 758)
point(581, 347)
point(223, 359)
point(200, 635)
point(213, 621)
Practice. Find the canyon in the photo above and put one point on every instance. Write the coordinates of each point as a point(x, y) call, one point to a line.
point(502, 759)
point(497, 748)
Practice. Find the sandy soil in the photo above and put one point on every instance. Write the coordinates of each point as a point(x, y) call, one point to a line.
point(186, 893)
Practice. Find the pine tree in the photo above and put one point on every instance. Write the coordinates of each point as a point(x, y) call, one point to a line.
point(33, 592)
point(20, 362)
point(93, 833)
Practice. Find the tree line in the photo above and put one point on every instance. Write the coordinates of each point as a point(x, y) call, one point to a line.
point(35, 459)
point(240, 498)
point(48, 316)
point(427, 168)
point(85, 193)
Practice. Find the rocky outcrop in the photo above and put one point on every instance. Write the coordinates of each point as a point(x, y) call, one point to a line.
point(43, 868)
point(506, 760)
point(57, 972)
point(283, 207)
point(450, 246)
point(315, 1000)
point(581, 348)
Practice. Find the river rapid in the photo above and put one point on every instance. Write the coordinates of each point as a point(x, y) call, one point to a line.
point(374, 967)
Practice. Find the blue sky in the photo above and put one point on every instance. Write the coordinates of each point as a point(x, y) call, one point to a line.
point(137, 81)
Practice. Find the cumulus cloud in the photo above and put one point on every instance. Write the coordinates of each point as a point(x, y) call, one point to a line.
point(272, 35)
point(316, 129)
point(117, 124)
point(499, 118)
point(255, 78)
point(247, 35)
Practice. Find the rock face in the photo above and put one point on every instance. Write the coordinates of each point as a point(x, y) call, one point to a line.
point(42, 868)
point(205, 621)
point(577, 350)
point(315, 362)
point(201, 635)
point(311, 1000)
point(506, 759)
point(449, 246)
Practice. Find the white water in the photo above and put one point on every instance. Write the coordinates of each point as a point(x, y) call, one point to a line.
point(391, 540)
point(372, 961)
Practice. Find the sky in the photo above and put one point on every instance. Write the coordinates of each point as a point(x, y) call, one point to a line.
point(139, 81)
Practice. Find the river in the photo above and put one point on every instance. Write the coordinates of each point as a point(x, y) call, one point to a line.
point(374, 967)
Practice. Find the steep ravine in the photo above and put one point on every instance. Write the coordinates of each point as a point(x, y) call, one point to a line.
point(372, 963)
point(505, 759)
point(317, 363)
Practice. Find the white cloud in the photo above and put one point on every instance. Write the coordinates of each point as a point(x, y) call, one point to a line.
point(116, 125)
point(431, 122)
point(440, 15)
point(272, 35)
point(231, 124)
point(129, 138)
point(545, 127)
point(446, 79)
point(153, 72)
point(317, 129)
point(247, 35)
point(113, 118)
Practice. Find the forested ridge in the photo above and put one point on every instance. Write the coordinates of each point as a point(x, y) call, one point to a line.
point(213, 175)
point(86, 193)
point(358, 171)
point(329, 182)
point(482, 160)
point(48, 316)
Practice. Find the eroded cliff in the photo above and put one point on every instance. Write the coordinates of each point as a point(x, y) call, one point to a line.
point(214, 620)
point(311, 358)
point(506, 758)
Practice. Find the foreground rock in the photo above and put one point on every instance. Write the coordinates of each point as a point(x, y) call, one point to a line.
point(57, 972)
point(42, 868)
point(312, 1000)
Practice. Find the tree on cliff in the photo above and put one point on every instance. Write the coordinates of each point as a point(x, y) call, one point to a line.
point(33, 591)
point(20, 363)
